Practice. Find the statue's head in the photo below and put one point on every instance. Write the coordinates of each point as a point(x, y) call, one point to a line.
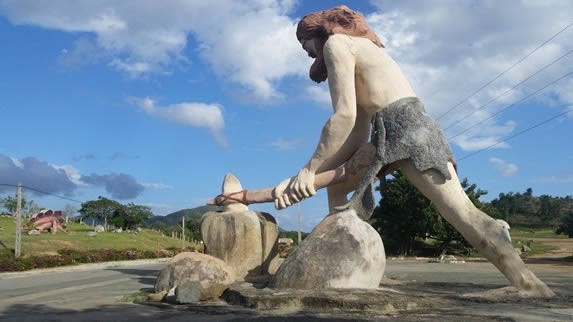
point(315, 28)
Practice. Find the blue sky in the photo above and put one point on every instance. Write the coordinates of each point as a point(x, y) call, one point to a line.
point(152, 102)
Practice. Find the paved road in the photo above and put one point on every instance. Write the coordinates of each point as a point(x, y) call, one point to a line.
point(94, 293)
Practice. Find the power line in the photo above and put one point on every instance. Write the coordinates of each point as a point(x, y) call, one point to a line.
point(505, 71)
point(40, 191)
point(509, 90)
point(517, 134)
point(513, 104)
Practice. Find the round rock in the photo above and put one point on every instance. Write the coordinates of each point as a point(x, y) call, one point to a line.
point(343, 251)
point(212, 274)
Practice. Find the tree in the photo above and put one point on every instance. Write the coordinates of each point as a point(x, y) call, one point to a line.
point(101, 209)
point(70, 211)
point(549, 208)
point(566, 225)
point(402, 216)
point(130, 216)
point(193, 228)
point(405, 215)
point(29, 207)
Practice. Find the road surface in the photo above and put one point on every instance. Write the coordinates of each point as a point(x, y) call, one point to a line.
point(98, 292)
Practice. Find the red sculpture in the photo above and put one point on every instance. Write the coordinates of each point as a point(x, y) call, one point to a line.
point(48, 219)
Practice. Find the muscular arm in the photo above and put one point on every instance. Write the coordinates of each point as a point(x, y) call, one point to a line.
point(346, 129)
point(331, 150)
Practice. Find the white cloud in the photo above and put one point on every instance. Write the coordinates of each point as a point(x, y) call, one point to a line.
point(319, 94)
point(73, 174)
point(159, 186)
point(485, 136)
point(450, 49)
point(284, 144)
point(446, 49)
point(209, 116)
point(504, 168)
point(17, 163)
point(566, 177)
point(45, 178)
point(251, 43)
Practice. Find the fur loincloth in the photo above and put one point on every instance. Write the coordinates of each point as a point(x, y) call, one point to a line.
point(402, 130)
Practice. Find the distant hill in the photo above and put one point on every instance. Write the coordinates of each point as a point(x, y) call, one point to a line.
point(175, 218)
point(190, 214)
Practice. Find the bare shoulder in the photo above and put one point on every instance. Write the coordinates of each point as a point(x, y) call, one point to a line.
point(337, 45)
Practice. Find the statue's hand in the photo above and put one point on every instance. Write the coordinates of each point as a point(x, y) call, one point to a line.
point(282, 199)
point(292, 190)
point(303, 185)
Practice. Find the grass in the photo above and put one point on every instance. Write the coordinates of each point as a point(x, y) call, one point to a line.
point(77, 238)
point(524, 232)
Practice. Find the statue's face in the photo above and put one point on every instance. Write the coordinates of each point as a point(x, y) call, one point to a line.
point(309, 46)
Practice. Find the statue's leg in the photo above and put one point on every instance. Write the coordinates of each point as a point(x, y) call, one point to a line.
point(338, 193)
point(480, 230)
point(354, 169)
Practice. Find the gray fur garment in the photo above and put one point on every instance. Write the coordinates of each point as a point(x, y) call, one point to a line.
point(406, 132)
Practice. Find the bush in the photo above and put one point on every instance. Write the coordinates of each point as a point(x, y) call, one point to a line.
point(69, 256)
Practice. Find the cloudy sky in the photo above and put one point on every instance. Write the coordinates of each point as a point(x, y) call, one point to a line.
point(153, 102)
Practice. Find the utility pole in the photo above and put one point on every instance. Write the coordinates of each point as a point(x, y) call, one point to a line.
point(18, 246)
point(299, 225)
point(183, 231)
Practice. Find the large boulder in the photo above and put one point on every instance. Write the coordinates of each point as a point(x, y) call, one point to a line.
point(244, 239)
point(343, 251)
point(189, 269)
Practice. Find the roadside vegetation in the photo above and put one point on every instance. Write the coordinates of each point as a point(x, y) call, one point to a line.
point(407, 222)
point(410, 225)
point(77, 247)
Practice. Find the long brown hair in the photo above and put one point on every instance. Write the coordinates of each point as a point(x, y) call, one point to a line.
point(320, 25)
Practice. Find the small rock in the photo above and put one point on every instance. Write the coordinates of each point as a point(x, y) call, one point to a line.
point(188, 292)
point(525, 248)
point(157, 297)
point(99, 229)
point(33, 232)
point(212, 274)
point(92, 233)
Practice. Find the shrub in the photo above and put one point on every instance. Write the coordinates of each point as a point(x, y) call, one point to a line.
point(69, 256)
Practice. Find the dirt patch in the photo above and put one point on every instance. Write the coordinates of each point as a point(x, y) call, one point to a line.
point(562, 247)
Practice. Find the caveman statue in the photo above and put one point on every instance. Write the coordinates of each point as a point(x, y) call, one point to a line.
point(372, 100)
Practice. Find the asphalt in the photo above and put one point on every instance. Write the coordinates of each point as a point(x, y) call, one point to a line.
point(100, 292)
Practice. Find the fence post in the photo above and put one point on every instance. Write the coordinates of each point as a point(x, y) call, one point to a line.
point(18, 246)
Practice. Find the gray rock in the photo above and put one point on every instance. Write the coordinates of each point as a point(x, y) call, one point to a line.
point(343, 251)
point(92, 233)
point(99, 229)
point(525, 248)
point(212, 274)
point(245, 240)
point(188, 292)
point(34, 232)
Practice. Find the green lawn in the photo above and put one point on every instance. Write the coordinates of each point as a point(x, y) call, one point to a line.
point(522, 232)
point(78, 238)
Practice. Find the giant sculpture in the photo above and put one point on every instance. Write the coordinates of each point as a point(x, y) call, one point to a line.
point(367, 87)
point(48, 219)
